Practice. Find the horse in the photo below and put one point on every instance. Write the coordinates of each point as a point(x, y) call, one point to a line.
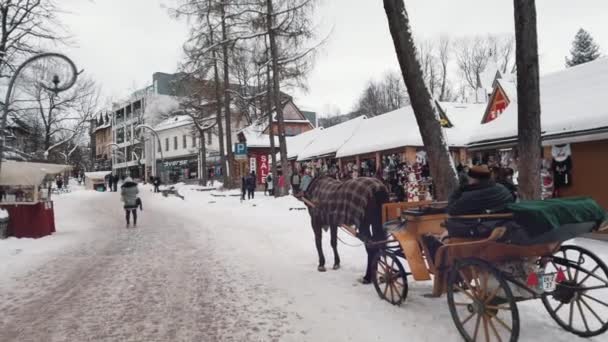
point(357, 202)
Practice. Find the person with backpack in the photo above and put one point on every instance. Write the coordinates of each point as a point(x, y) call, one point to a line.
point(128, 195)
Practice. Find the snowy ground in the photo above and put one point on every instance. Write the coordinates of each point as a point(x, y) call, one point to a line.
point(208, 268)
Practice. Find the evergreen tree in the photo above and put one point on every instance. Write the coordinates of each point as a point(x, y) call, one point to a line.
point(584, 49)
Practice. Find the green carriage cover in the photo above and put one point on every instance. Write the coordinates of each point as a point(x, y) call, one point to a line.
point(540, 217)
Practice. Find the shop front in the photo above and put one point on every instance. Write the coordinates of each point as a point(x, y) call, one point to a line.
point(179, 169)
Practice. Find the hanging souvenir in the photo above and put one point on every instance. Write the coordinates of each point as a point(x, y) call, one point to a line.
point(561, 152)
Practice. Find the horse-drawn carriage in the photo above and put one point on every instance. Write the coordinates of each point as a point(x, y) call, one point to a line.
point(485, 275)
point(484, 263)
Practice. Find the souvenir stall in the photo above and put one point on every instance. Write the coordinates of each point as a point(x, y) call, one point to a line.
point(96, 180)
point(25, 194)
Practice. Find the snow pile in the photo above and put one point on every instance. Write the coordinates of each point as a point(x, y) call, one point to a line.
point(173, 122)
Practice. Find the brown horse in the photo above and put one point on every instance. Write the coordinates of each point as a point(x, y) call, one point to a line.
point(355, 202)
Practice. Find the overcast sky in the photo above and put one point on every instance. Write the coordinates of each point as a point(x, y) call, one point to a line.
point(122, 42)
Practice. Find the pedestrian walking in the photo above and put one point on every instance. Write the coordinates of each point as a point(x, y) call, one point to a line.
point(251, 183)
point(156, 183)
point(128, 195)
point(243, 187)
point(115, 183)
point(270, 184)
point(110, 178)
point(59, 182)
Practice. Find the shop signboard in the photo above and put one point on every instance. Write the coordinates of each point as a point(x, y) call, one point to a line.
point(263, 168)
point(240, 151)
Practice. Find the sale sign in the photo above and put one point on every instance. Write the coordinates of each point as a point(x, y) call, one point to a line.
point(263, 168)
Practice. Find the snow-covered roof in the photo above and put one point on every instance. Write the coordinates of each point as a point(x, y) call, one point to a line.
point(331, 139)
point(297, 143)
point(173, 122)
point(399, 129)
point(572, 100)
point(255, 136)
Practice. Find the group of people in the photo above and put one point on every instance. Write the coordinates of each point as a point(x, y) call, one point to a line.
point(112, 181)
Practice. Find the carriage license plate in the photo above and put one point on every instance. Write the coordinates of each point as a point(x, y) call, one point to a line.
point(546, 281)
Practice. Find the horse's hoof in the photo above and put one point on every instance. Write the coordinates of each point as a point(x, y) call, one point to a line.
point(336, 267)
point(321, 269)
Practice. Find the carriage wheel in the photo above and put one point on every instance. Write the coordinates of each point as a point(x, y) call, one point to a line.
point(390, 279)
point(481, 302)
point(580, 302)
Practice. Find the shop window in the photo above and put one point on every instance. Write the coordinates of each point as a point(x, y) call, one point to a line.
point(166, 144)
point(175, 143)
point(185, 142)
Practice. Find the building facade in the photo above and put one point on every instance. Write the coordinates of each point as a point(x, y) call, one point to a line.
point(102, 142)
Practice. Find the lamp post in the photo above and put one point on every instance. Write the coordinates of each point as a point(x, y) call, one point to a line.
point(162, 158)
point(55, 88)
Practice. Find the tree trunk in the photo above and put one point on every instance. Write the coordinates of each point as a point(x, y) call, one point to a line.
point(528, 100)
point(229, 154)
point(440, 162)
point(203, 157)
point(220, 125)
point(273, 153)
point(276, 90)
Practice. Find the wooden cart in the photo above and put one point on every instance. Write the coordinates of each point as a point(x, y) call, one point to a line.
point(485, 278)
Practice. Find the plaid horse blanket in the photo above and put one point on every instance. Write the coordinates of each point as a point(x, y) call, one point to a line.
point(344, 202)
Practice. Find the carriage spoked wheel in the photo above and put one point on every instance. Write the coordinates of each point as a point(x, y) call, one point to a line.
point(390, 279)
point(481, 302)
point(579, 303)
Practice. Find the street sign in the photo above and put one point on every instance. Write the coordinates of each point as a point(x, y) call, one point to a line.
point(240, 151)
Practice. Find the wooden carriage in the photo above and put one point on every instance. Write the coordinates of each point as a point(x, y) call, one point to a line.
point(485, 277)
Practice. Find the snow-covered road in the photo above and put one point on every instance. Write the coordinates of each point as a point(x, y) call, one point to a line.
point(208, 269)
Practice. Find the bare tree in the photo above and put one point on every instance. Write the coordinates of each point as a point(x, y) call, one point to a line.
point(26, 25)
point(440, 161)
point(383, 96)
point(61, 118)
point(472, 55)
point(444, 54)
point(528, 100)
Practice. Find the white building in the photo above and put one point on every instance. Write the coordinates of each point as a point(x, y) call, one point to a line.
point(175, 154)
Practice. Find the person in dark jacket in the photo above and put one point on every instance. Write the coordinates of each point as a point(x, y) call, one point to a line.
point(250, 181)
point(156, 182)
point(115, 182)
point(110, 178)
point(128, 195)
point(505, 178)
point(480, 195)
point(243, 187)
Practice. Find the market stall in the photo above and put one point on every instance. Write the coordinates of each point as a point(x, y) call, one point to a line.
point(24, 194)
point(96, 180)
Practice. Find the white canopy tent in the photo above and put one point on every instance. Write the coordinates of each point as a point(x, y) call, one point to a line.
point(25, 173)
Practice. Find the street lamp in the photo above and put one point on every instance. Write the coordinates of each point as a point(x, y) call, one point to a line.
point(55, 88)
point(162, 158)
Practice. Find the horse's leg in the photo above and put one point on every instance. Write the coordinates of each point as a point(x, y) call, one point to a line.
point(334, 245)
point(318, 234)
